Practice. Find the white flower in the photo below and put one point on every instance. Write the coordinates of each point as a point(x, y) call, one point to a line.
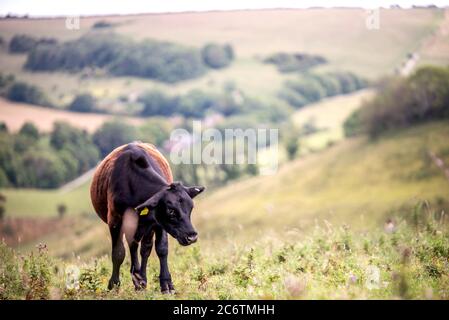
point(372, 274)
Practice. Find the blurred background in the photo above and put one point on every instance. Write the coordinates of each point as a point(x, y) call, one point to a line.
point(360, 96)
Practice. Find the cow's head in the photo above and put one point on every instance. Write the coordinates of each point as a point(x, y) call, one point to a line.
point(172, 207)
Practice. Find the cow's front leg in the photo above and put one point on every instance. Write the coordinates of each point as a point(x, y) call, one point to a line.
point(162, 253)
point(118, 252)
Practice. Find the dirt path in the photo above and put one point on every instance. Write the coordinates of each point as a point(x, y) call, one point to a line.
point(77, 182)
point(16, 114)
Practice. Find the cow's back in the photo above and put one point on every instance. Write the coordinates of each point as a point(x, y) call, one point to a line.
point(99, 189)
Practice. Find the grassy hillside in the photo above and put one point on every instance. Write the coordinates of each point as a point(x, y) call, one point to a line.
point(355, 183)
point(340, 35)
point(404, 261)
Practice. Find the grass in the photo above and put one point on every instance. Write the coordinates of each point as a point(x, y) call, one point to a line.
point(408, 260)
point(328, 116)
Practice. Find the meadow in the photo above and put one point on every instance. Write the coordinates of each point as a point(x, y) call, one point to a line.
point(345, 218)
point(405, 260)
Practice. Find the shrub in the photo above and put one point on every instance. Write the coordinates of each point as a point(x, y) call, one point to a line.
point(83, 103)
point(421, 97)
point(113, 134)
point(217, 56)
point(156, 103)
point(38, 275)
point(22, 92)
point(294, 62)
point(23, 43)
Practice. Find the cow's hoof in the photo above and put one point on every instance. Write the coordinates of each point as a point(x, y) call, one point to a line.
point(167, 287)
point(113, 283)
point(172, 291)
point(139, 282)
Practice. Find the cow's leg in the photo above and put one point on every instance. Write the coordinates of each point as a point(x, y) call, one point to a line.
point(118, 251)
point(130, 229)
point(145, 251)
point(162, 253)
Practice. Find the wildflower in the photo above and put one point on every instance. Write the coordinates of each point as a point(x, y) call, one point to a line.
point(372, 274)
point(389, 226)
point(294, 285)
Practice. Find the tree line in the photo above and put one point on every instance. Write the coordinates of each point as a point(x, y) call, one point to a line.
point(310, 87)
point(120, 56)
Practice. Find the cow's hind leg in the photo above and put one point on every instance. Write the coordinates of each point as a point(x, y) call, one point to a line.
point(133, 234)
point(145, 250)
point(118, 252)
point(162, 253)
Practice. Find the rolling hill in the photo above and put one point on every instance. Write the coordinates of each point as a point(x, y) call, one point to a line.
point(355, 183)
point(340, 35)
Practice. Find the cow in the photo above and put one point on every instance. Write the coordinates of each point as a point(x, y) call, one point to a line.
point(133, 192)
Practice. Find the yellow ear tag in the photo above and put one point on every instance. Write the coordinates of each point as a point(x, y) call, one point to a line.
point(144, 212)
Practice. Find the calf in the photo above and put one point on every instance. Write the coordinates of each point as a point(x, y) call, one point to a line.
point(134, 193)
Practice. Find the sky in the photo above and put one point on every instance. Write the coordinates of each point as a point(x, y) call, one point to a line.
point(103, 7)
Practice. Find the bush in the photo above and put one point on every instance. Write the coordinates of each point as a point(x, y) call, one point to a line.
point(83, 103)
point(30, 131)
point(217, 56)
point(23, 43)
point(22, 92)
point(296, 62)
point(113, 134)
point(421, 97)
point(156, 103)
point(313, 87)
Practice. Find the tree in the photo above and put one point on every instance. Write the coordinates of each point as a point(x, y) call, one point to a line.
point(30, 131)
point(22, 92)
point(83, 103)
point(156, 103)
point(22, 43)
point(217, 56)
point(62, 209)
point(292, 146)
point(113, 134)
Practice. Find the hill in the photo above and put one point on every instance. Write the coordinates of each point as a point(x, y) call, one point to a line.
point(355, 183)
point(339, 35)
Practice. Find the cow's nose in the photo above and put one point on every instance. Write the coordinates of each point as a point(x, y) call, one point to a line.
point(192, 237)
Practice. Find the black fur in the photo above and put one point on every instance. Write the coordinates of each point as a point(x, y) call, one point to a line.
point(137, 182)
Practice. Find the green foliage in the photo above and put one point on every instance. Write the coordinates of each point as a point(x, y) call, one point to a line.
point(11, 286)
point(37, 274)
point(113, 134)
point(421, 97)
point(30, 131)
point(161, 61)
point(155, 131)
point(309, 88)
point(23, 43)
point(22, 92)
point(29, 159)
point(295, 62)
point(331, 262)
point(156, 103)
point(217, 56)
point(83, 103)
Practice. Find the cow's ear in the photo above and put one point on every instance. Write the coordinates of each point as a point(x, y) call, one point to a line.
point(152, 202)
point(194, 191)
